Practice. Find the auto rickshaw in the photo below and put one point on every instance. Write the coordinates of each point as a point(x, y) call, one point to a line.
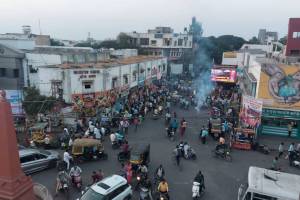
point(86, 149)
point(139, 155)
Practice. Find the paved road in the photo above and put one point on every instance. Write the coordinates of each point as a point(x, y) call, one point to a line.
point(222, 179)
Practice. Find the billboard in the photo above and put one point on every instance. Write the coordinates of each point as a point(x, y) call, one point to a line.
point(223, 75)
point(279, 86)
point(251, 111)
point(15, 99)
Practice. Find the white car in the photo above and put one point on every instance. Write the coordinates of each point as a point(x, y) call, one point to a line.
point(114, 187)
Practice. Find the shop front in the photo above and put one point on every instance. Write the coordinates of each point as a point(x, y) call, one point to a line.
point(276, 122)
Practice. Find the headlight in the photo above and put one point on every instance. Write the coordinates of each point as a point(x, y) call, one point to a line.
point(138, 178)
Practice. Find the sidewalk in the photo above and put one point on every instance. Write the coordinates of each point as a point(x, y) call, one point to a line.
point(273, 141)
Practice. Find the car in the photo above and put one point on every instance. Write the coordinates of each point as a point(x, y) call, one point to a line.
point(114, 187)
point(34, 160)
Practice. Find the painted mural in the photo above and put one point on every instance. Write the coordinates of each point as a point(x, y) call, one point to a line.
point(280, 86)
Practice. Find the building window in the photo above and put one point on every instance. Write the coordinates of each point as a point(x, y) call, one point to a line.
point(296, 35)
point(180, 41)
point(87, 85)
point(2, 72)
point(190, 44)
point(134, 76)
point(153, 42)
point(185, 43)
point(164, 67)
point(144, 41)
point(16, 73)
point(175, 43)
point(295, 52)
point(114, 82)
point(125, 78)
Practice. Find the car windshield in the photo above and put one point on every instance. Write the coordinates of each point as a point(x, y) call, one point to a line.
point(45, 152)
point(92, 195)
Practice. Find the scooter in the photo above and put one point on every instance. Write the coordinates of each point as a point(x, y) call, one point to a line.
point(163, 196)
point(144, 193)
point(191, 154)
point(77, 182)
point(196, 193)
point(64, 188)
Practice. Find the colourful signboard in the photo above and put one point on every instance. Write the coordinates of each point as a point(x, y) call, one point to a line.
point(223, 75)
point(251, 111)
point(15, 99)
point(279, 86)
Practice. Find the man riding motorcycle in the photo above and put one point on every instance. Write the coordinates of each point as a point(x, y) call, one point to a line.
point(75, 174)
point(62, 181)
point(200, 179)
point(163, 188)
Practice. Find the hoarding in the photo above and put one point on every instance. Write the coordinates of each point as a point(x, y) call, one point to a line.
point(15, 99)
point(279, 86)
point(251, 111)
point(223, 75)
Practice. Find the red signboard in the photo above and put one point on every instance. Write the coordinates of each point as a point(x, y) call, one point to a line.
point(223, 75)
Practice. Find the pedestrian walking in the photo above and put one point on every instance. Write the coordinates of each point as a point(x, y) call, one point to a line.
point(178, 153)
point(290, 127)
point(136, 123)
point(280, 150)
point(126, 126)
point(67, 158)
point(183, 125)
point(275, 164)
point(204, 134)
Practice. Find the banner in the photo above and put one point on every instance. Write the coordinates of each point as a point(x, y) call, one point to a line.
point(15, 99)
point(223, 75)
point(251, 111)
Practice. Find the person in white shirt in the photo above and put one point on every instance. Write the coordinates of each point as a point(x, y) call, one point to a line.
point(97, 133)
point(67, 158)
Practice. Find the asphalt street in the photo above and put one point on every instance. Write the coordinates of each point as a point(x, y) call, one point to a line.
point(222, 178)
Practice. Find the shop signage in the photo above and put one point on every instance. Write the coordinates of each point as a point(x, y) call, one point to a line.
point(223, 75)
point(281, 113)
point(15, 99)
point(251, 111)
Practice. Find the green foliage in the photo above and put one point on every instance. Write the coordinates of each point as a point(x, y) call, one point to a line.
point(212, 48)
point(56, 43)
point(83, 44)
point(34, 102)
point(283, 40)
point(254, 40)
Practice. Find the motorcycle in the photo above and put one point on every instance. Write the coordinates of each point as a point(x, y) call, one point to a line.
point(263, 149)
point(196, 193)
point(222, 153)
point(64, 188)
point(140, 178)
point(144, 193)
point(191, 154)
point(163, 196)
point(170, 134)
point(77, 182)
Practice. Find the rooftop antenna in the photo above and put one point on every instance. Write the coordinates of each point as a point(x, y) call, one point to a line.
point(40, 27)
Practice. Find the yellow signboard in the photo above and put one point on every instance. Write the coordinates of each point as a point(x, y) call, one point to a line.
point(230, 54)
point(279, 86)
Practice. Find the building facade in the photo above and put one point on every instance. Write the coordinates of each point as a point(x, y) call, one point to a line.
point(73, 82)
point(293, 41)
point(265, 37)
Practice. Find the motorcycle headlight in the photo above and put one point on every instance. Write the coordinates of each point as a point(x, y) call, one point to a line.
point(138, 178)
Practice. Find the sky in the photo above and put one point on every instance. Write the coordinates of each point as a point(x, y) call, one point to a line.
point(73, 19)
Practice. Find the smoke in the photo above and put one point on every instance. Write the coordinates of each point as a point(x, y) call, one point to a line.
point(203, 63)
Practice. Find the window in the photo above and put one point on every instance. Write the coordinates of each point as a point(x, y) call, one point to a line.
point(87, 86)
point(118, 191)
point(180, 41)
point(144, 41)
point(158, 35)
point(175, 43)
point(134, 76)
point(40, 156)
point(164, 67)
point(16, 73)
point(262, 197)
point(2, 72)
point(114, 82)
point(125, 78)
point(296, 35)
point(190, 44)
point(26, 159)
point(185, 43)
point(153, 42)
point(295, 52)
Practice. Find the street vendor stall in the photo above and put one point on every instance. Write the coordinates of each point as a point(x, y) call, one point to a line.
point(242, 138)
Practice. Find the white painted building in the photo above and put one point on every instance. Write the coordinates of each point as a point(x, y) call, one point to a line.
point(80, 80)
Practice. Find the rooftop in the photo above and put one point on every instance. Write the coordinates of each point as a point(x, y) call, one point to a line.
point(108, 63)
point(252, 51)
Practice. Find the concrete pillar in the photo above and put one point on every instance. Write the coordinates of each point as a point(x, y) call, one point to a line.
point(14, 184)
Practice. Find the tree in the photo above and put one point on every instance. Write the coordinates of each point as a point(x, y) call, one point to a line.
point(54, 42)
point(126, 42)
point(83, 44)
point(34, 102)
point(109, 44)
point(254, 40)
point(283, 40)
